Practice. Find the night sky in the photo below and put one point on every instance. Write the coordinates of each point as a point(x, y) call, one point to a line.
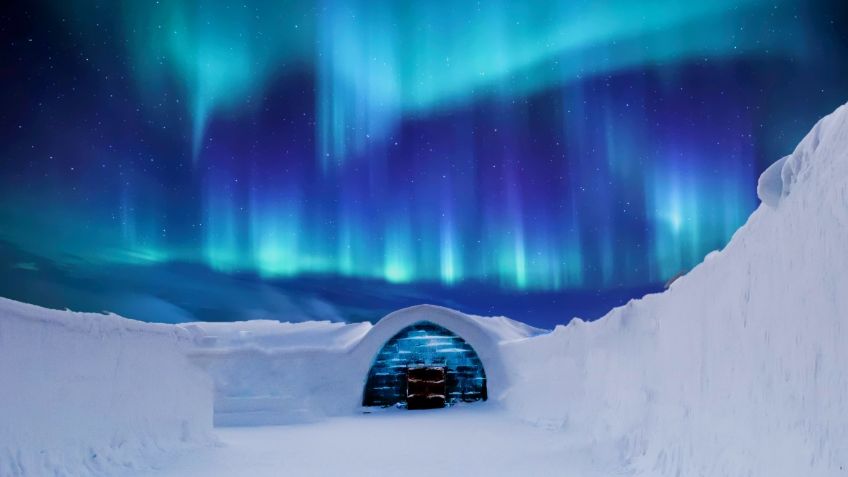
point(181, 160)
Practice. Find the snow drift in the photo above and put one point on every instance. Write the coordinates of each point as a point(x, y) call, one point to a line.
point(741, 367)
point(83, 393)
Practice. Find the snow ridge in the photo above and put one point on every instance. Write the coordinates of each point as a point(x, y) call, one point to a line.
point(740, 368)
point(89, 394)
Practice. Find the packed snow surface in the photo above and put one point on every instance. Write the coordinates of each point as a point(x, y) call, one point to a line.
point(476, 440)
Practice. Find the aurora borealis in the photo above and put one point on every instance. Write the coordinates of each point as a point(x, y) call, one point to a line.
point(559, 155)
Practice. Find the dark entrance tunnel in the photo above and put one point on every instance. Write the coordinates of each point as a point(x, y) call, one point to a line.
point(425, 344)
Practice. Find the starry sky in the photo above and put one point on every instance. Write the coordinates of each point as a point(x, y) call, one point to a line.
point(178, 160)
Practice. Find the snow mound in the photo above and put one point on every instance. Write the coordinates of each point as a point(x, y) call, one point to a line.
point(85, 393)
point(275, 335)
point(741, 367)
point(503, 329)
point(778, 180)
point(770, 185)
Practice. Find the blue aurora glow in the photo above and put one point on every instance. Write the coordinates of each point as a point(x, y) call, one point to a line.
point(522, 146)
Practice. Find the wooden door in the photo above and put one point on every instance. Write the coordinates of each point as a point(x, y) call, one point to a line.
point(425, 387)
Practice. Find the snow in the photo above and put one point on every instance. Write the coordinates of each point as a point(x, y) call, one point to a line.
point(472, 440)
point(503, 329)
point(86, 394)
point(275, 335)
point(269, 372)
point(740, 368)
point(770, 184)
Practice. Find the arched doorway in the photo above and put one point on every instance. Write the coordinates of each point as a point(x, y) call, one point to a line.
point(425, 345)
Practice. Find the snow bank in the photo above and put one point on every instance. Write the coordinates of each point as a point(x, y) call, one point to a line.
point(269, 372)
point(503, 329)
point(275, 335)
point(741, 367)
point(83, 393)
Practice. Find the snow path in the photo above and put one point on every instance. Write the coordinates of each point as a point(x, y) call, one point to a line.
point(474, 440)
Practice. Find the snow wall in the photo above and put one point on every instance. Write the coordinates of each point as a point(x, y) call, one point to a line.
point(84, 393)
point(741, 367)
point(266, 372)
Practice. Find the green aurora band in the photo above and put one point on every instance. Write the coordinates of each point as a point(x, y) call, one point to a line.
point(378, 64)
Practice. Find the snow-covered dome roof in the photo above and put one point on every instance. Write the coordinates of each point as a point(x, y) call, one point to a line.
point(482, 333)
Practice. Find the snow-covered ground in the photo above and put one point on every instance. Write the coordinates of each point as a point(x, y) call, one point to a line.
point(739, 369)
point(469, 440)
